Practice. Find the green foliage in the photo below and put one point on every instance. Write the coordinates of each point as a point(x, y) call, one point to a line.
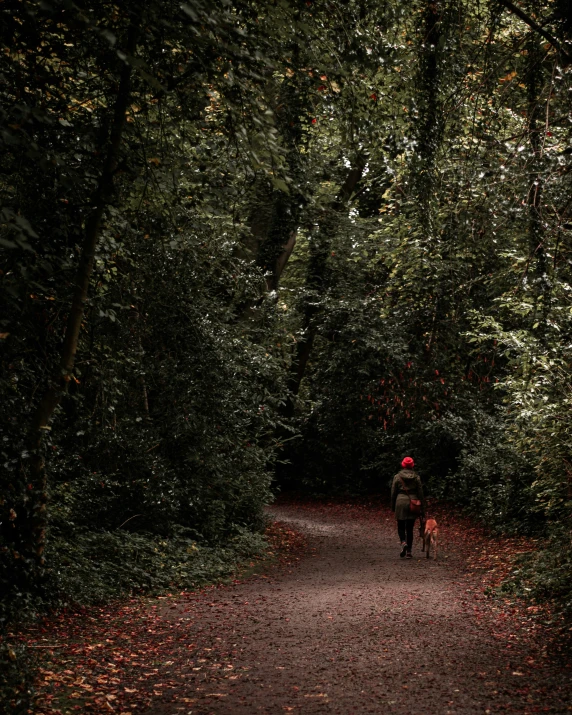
point(169, 417)
point(545, 575)
point(94, 567)
point(494, 481)
point(245, 307)
point(443, 323)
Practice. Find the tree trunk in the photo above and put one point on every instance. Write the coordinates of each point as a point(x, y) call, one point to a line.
point(275, 214)
point(35, 521)
point(137, 347)
point(534, 82)
point(320, 247)
point(423, 177)
point(430, 124)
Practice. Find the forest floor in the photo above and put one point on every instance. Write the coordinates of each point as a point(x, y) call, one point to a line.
point(340, 625)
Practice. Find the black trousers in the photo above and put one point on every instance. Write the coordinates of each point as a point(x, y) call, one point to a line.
point(405, 531)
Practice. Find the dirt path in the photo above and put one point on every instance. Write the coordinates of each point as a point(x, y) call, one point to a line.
point(355, 629)
point(352, 629)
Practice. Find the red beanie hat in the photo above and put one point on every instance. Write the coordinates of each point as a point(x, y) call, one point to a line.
point(408, 463)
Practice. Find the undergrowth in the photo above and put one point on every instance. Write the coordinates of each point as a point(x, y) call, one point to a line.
point(97, 567)
point(545, 576)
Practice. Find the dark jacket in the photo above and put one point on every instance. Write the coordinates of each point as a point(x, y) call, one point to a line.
point(400, 498)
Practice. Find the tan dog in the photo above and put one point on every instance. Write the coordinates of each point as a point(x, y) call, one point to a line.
point(428, 531)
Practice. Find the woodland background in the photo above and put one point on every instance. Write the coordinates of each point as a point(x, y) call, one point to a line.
point(262, 245)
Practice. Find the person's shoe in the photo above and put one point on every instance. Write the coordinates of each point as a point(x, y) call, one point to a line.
point(403, 549)
point(409, 555)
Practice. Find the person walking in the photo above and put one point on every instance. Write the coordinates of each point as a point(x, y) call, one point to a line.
point(406, 486)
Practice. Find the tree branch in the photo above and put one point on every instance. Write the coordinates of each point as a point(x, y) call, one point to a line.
point(511, 7)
